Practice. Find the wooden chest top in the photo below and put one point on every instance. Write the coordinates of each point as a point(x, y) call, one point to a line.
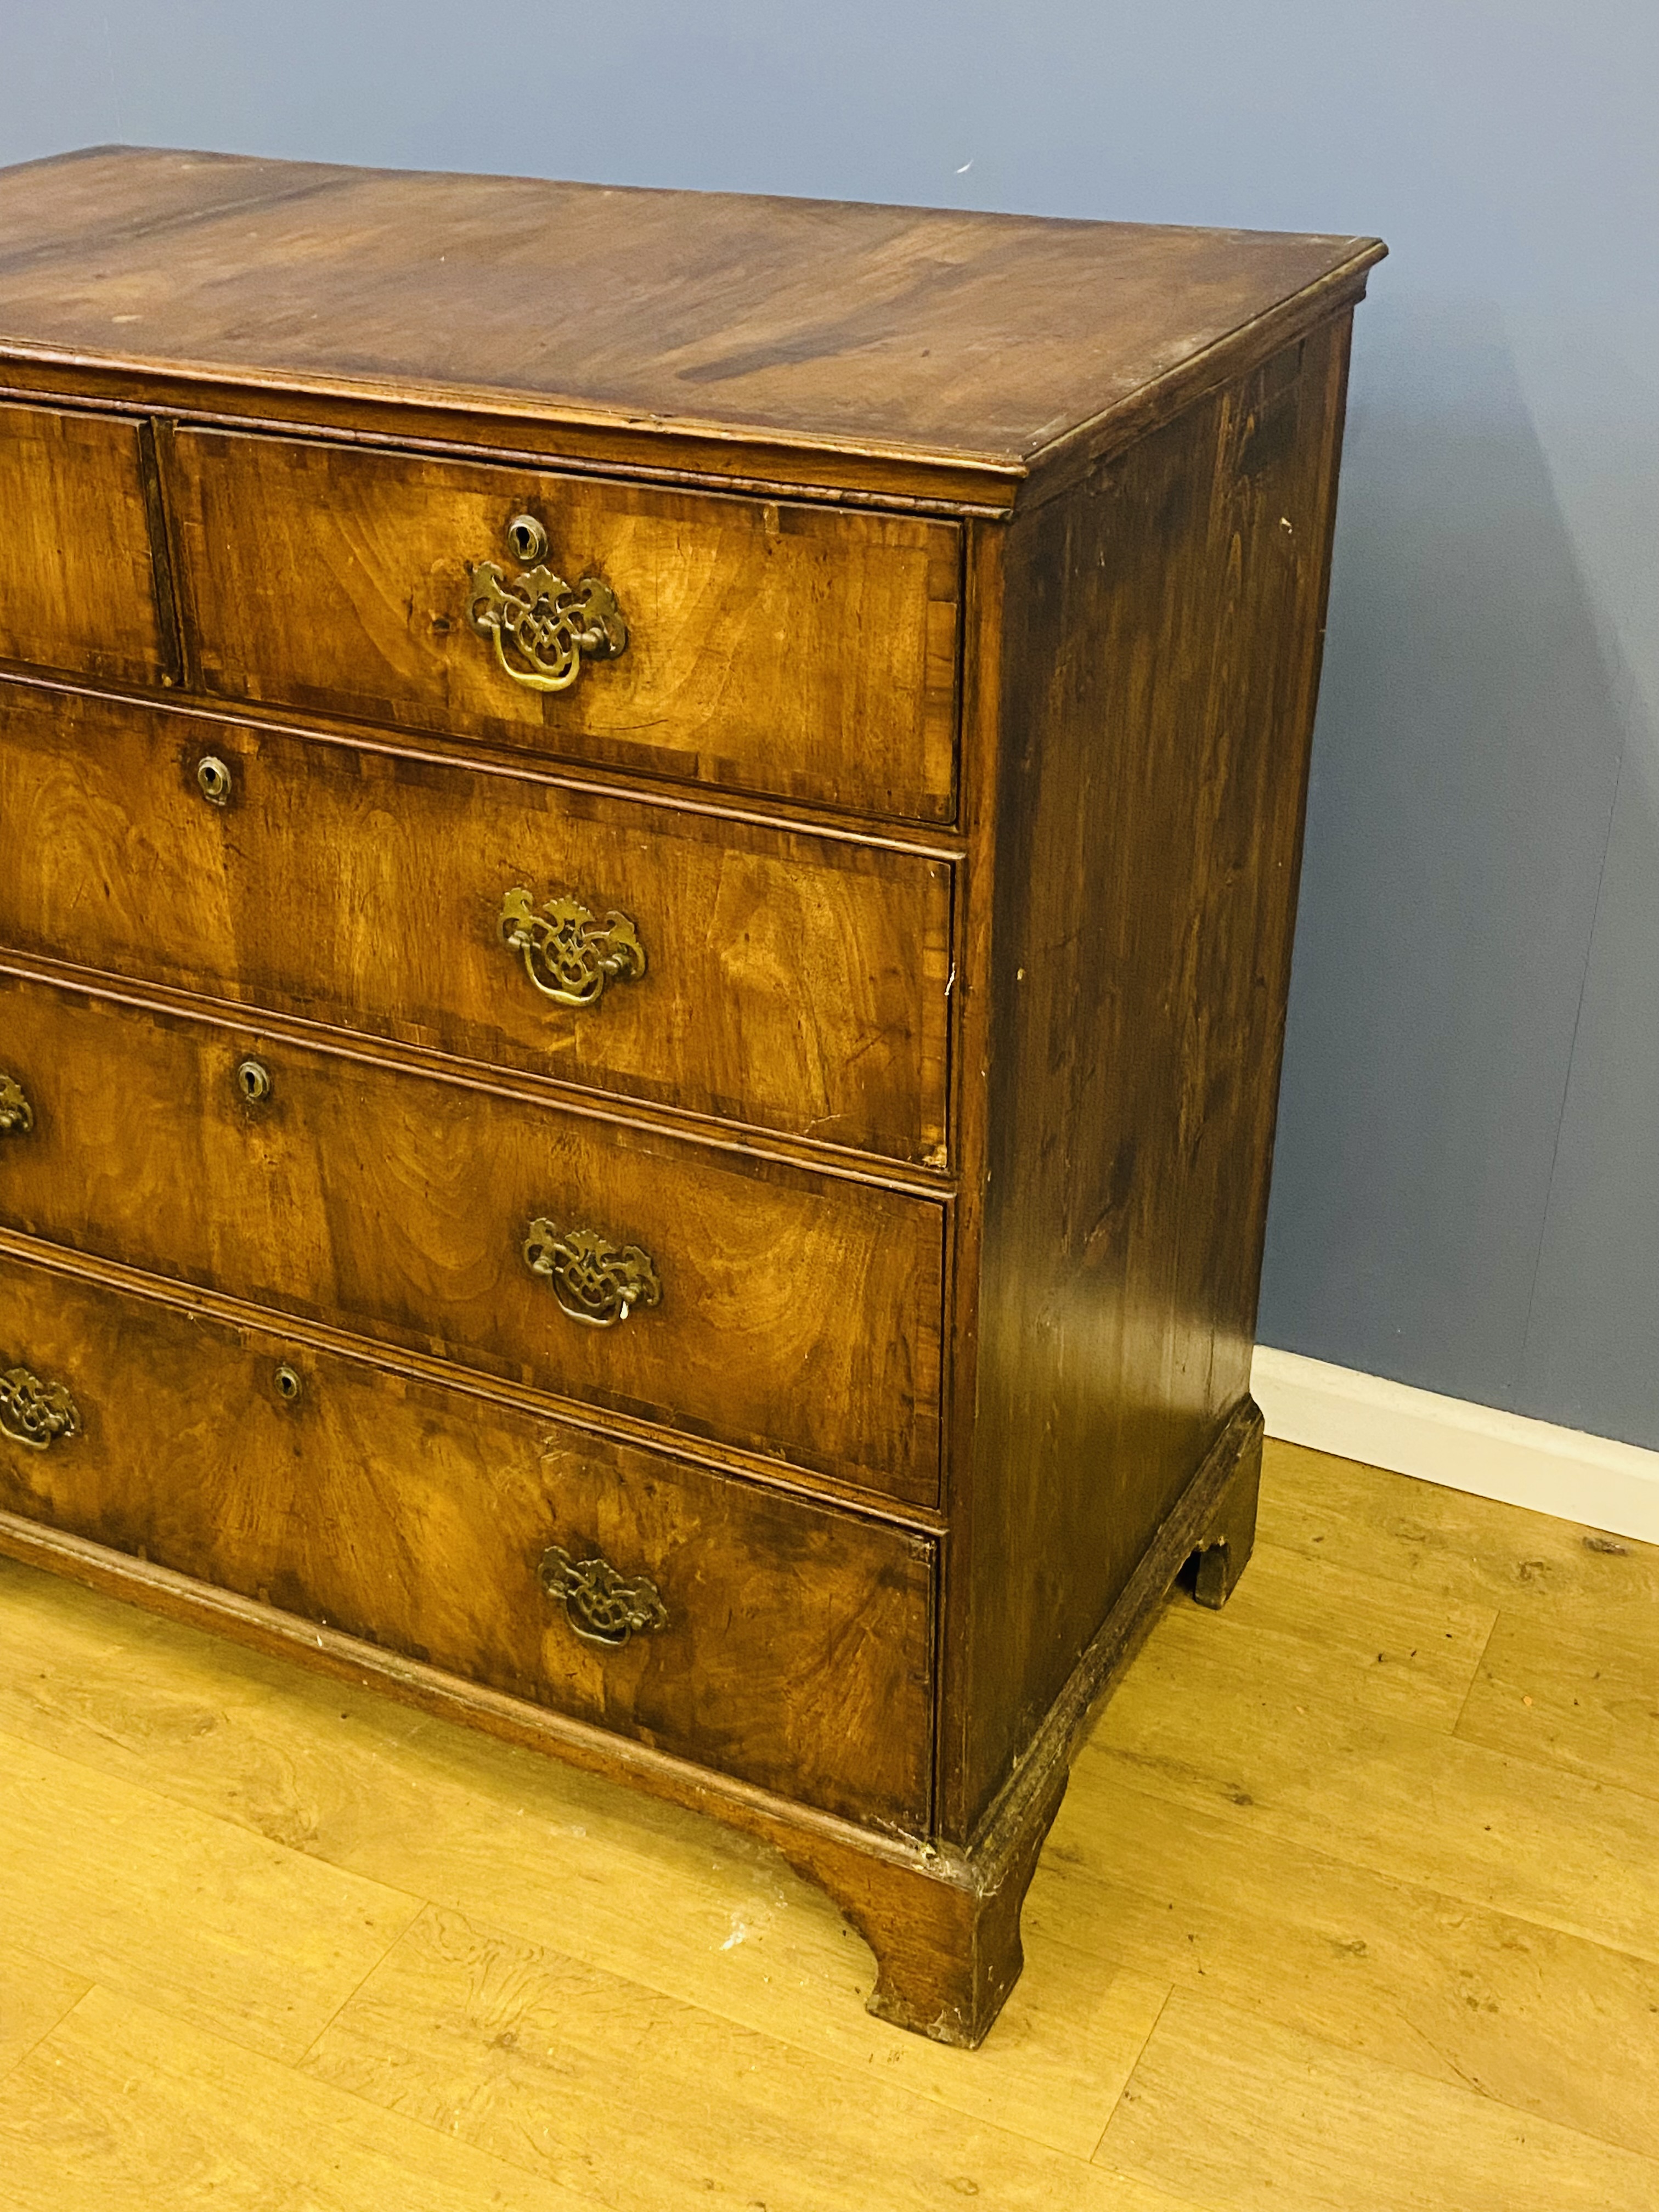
point(995, 342)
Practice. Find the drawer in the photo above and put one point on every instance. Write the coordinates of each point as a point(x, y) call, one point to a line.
point(793, 1313)
point(799, 651)
point(77, 587)
point(769, 1637)
point(794, 981)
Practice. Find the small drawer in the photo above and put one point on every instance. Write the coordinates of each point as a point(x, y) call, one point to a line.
point(763, 1304)
point(77, 580)
point(768, 1637)
point(791, 981)
point(799, 651)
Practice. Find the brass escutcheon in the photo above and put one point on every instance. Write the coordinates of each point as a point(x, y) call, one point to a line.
point(289, 1383)
point(33, 1413)
point(16, 1114)
point(540, 625)
point(253, 1081)
point(569, 955)
point(527, 538)
point(596, 1282)
point(601, 1605)
point(214, 779)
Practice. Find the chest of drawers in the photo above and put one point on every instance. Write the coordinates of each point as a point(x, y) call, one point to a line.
point(649, 859)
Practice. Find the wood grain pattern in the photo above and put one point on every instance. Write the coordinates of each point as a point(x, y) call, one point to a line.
point(1395, 1971)
point(793, 981)
point(797, 1651)
point(1233, 2109)
point(517, 2050)
point(221, 1928)
point(78, 586)
point(625, 1884)
point(1407, 1652)
point(1413, 1533)
point(1160, 666)
point(1454, 2055)
point(127, 2106)
point(1513, 1839)
point(774, 648)
point(944, 1922)
point(1587, 1704)
point(843, 326)
point(801, 1313)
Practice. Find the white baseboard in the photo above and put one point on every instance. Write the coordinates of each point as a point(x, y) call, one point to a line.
point(1589, 1480)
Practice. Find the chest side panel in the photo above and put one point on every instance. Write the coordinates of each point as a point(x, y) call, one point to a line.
point(1163, 628)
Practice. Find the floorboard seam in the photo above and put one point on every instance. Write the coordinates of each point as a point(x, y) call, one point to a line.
point(1474, 1678)
point(1145, 2042)
point(21, 2057)
point(1458, 2088)
point(297, 2063)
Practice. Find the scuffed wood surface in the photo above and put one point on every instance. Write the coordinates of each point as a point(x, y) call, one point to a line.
point(944, 330)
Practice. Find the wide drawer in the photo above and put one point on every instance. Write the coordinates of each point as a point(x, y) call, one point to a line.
point(795, 650)
point(77, 583)
point(779, 1309)
point(768, 1637)
point(788, 980)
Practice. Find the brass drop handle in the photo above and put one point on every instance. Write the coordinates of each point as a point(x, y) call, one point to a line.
point(596, 1282)
point(601, 1605)
point(33, 1413)
point(16, 1114)
point(540, 625)
point(569, 955)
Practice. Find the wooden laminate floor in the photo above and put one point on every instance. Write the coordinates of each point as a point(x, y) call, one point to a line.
point(1354, 1903)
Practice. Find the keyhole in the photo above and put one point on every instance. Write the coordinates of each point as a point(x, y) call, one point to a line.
point(289, 1383)
point(527, 537)
point(214, 777)
point(253, 1081)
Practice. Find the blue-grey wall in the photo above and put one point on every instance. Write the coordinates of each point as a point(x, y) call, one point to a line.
point(1467, 1188)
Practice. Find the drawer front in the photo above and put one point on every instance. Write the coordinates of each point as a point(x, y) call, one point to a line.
point(793, 1313)
point(794, 981)
point(77, 587)
point(793, 650)
point(766, 1636)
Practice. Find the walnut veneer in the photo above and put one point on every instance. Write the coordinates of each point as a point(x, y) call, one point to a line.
point(649, 856)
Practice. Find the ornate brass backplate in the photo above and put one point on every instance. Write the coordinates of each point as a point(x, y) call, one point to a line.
point(36, 1413)
point(596, 1282)
point(16, 1114)
point(602, 1606)
point(569, 955)
point(542, 626)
